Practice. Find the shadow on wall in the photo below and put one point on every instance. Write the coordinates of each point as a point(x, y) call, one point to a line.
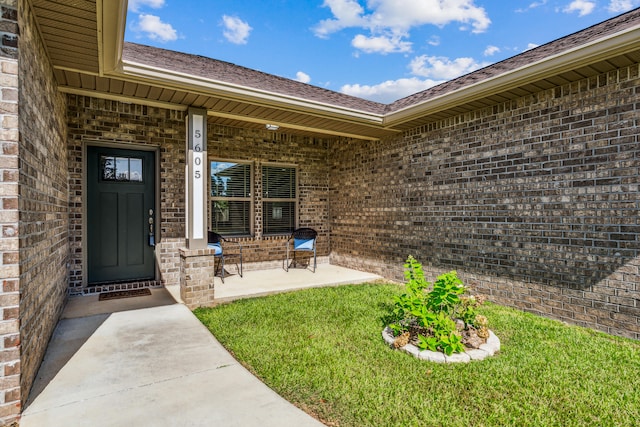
point(564, 266)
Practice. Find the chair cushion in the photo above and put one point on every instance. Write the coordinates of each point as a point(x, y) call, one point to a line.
point(217, 248)
point(303, 244)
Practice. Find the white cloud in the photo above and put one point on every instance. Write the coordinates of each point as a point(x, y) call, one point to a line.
point(533, 5)
point(397, 17)
point(236, 30)
point(404, 14)
point(135, 5)
point(347, 13)
point(583, 7)
point(155, 29)
point(390, 90)
point(428, 71)
point(434, 41)
point(491, 50)
point(303, 77)
point(442, 68)
point(618, 6)
point(531, 46)
point(381, 44)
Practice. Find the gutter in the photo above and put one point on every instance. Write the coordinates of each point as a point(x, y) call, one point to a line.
point(583, 55)
point(111, 21)
point(143, 73)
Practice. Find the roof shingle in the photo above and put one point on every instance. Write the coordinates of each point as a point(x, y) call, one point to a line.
point(226, 72)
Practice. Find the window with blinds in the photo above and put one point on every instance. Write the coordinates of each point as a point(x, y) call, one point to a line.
point(231, 204)
point(279, 206)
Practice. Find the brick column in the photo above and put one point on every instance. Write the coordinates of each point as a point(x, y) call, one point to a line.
point(197, 269)
point(10, 395)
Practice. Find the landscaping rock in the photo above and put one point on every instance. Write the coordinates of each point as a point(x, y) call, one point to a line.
point(491, 347)
point(457, 358)
point(477, 354)
point(432, 356)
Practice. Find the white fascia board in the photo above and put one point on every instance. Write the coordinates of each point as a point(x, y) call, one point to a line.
point(185, 81)
point(617, 43)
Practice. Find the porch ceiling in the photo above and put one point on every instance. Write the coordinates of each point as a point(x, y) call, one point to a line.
point(69, 29)
point(85, 36)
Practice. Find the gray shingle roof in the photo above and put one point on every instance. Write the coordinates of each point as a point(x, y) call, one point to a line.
point(563, 44)
point(226, 72)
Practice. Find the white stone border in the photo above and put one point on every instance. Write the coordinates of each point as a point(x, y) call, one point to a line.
point(491, 347)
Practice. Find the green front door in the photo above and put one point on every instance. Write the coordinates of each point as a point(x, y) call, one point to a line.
point(120, 214)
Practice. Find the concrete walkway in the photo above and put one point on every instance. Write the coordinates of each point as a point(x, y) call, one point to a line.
point(147, 361)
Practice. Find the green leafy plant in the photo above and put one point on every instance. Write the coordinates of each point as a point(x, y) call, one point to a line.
point(436, 318)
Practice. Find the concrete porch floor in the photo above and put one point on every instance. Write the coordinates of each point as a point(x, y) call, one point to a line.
point(265, 282)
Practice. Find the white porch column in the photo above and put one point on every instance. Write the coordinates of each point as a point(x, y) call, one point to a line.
point(196, 179)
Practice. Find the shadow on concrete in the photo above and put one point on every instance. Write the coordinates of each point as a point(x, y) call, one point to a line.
point(81, 318)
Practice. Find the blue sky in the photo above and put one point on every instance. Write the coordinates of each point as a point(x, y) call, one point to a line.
point(380, 50)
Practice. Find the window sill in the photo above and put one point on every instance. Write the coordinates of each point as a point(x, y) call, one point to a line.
point(283, 236)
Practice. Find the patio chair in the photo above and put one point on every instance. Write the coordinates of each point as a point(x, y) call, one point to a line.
point(222, 250)
point(304, 240)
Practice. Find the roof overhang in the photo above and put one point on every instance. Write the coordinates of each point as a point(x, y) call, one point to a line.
point(620, 43)
point(85, 43)
point(146, 74)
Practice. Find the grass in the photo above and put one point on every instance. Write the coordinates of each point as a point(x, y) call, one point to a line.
point(322, 350)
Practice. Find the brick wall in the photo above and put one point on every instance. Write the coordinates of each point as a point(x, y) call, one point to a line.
point(10, 395)
point(534, 202)
point(43, 220)
point(93, 120)
point(196, 270)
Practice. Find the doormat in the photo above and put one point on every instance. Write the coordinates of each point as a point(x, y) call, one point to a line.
point(105, 296)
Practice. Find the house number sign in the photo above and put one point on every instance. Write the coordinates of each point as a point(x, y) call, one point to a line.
point(197, 176)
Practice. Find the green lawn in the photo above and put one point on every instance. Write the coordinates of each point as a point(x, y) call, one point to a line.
point(322, 350)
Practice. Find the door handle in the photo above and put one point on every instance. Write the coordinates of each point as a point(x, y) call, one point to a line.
point(152, 238)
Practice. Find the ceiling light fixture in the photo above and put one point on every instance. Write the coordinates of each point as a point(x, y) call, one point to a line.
point(272, 127)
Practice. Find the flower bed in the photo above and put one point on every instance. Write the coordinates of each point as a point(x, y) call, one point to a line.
point(439, 321)
point(491, 347)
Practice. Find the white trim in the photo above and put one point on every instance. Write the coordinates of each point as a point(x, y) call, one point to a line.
point(121, 98)
point(110, 21)
point(620, 42)
point(234, 91)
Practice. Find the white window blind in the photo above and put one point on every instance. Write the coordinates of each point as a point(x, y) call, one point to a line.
point(231, 205)
point(279, 206)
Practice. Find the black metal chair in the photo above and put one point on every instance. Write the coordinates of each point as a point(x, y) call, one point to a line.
point(221, 248)
point(304, 240)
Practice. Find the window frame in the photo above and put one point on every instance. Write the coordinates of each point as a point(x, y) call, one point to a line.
point(249, 198)
point(295, 199)
point(102, 158)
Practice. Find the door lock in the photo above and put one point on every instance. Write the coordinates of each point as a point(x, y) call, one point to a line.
point(152, 238)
